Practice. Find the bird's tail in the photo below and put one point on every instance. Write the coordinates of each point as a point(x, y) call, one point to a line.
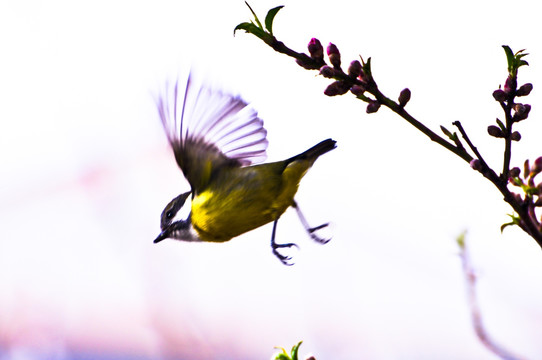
point(314, 152)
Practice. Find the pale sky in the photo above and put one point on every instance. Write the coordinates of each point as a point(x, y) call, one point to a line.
point(86, 172)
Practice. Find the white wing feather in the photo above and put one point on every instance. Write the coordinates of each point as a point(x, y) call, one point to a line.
point(203, 114)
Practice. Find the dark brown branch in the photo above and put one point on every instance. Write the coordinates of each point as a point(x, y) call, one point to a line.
point(365, 81)
point(399, 110)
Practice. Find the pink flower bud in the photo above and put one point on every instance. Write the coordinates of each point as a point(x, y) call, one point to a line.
point(514, 172)
point(373, 107)
point(476, 164)
point(404, 97)
point(315, 49)
point(332, 49)
point(495, 131)
point(516, 136)
point(526, 168)
point(537, 166)
point(354, 69)
point(499, 95)
point(519, 108)
point(335, 60)
point(525, 89)
point(521, 111)
point(357, 90)
point(327, 71)
point(334, 55)
point(336, 88)
point(510, 85)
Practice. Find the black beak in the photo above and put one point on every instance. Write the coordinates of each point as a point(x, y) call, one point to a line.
point(163, 235)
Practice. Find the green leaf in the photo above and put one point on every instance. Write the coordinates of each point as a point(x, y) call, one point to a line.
point(270, 17)
point(251, 29)
point(501, 125)
point(446, 132)
point(510, 58)
point(517, 182)
point(515, 221)
point(518, 61)
point(255, 17)
point(452, 137)
point(282, 357)
point(366, 67)
point(503, 226)
point(523, 62)
point(295, 348)
point(514, 60)
point(244, 26)
point(509, 52)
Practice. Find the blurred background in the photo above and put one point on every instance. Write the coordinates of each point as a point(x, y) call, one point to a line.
point(86, 171)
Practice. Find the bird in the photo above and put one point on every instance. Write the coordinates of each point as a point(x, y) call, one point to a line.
point(220, 143)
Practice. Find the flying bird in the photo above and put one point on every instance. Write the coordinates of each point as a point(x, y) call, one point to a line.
point(219, 142)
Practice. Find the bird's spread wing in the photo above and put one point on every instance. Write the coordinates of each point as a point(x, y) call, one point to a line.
point(209, 129)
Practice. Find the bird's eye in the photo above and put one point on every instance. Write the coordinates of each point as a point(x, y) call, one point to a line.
point(169, 214)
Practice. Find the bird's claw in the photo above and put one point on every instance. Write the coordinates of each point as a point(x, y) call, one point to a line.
point(283, 258)
point(317, 238)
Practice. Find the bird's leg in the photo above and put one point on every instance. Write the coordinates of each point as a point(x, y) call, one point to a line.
point(283, 258)
point(310, 230)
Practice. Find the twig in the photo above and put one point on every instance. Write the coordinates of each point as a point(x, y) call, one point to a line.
point(471, 145)
point(479, 329)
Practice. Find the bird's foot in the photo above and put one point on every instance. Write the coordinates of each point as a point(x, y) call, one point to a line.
point(319, 239)
point(283, 258)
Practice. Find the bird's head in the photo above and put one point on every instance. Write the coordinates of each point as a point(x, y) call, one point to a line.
point(181, 228)
point(171, 210)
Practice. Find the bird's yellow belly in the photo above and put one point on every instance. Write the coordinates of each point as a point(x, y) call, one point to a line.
point(218, 218)
point(243, 205)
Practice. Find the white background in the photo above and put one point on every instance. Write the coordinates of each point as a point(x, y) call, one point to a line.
point(86, 170)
